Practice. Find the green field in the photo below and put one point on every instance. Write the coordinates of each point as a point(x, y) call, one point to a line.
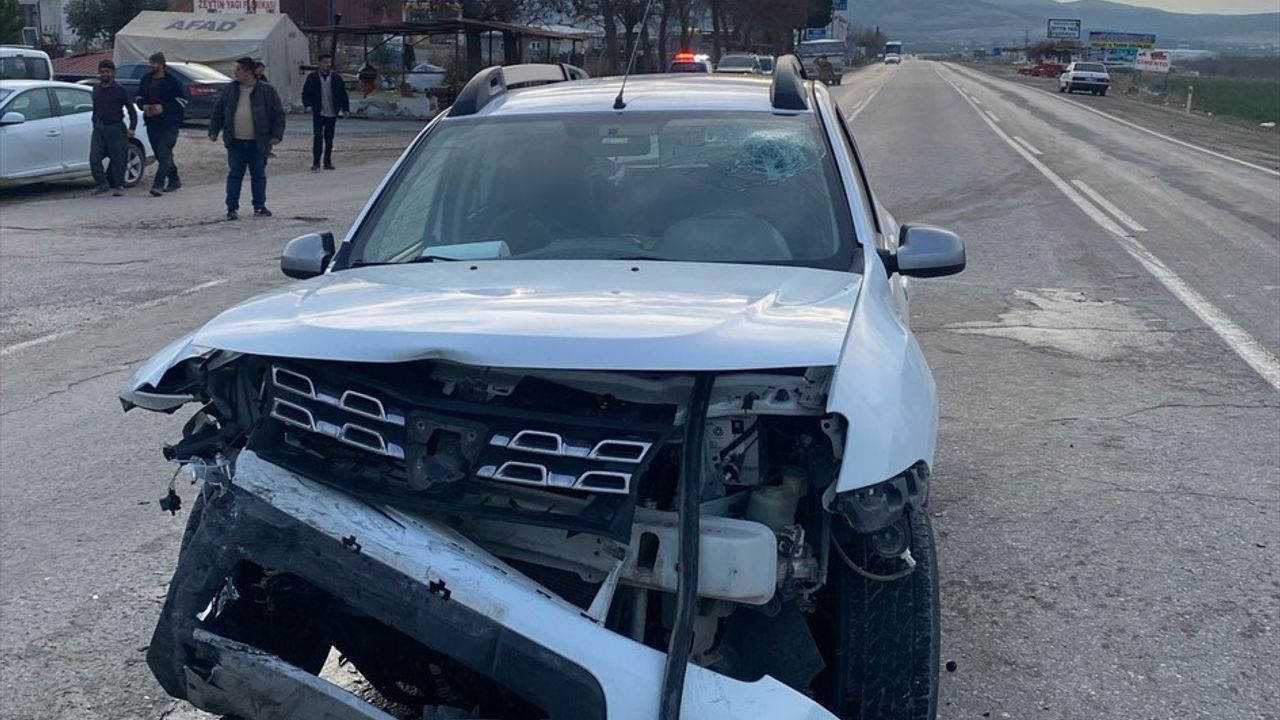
point(1253, 100)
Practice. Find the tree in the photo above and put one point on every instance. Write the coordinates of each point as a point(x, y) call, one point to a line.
point(101, 19)
point(10, 22)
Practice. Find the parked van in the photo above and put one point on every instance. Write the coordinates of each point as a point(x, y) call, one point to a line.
point(24, 63)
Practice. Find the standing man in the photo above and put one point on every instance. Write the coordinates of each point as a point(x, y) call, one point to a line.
point(251, 118)
point(110, 139)
point(163, 104)
point(325, 95)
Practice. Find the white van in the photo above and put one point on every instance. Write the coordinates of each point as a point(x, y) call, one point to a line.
point(24, 63)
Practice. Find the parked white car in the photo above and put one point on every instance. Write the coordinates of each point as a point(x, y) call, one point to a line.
point(45, 132)
point(425, 76)
point(1091, 76)
point(608, 405)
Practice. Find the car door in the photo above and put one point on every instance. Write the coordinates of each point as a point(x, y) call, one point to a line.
point(33, 147)
point(75, 111)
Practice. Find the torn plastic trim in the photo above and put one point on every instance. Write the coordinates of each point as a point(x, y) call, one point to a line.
point(874, 508)
point(244, 681)
point(494, 619)
point(141, 390)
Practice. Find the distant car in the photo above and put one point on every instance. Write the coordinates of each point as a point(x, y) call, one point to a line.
point(425, 76)
point(687, 62)
point(45, 129)
point(1089, 76)
point(766, 64)
point(24, 63)
point(200, 83)
point(892, 59)
point(739, 64)
point(1044, 69)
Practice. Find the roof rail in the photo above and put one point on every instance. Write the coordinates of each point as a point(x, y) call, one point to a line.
point(493, 81)
point(787, 91)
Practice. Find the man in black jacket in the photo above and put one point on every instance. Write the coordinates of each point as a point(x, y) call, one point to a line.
point(325, 95)
point(251, 118)
point(163, 104)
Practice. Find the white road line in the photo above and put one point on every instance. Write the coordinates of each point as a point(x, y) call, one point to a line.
point(991, 115)
point(1027, 145)
point(975, 98)
point(1107, 205)
point(1148, 131)
point(18, 347)
point(864, 104)
point(1236, 337)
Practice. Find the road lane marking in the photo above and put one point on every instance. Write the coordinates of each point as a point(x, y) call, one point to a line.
point(974, 98)
point(18, 347)
point(1106, 204)
point(1237, 338)
point(1148, 131)
point(864, 104)
point(1027, 145)
point(991, 115)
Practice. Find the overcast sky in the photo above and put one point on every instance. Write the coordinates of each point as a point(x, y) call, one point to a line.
point(1208, 6)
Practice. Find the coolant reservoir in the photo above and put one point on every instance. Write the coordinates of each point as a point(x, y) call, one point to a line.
point(775, 505)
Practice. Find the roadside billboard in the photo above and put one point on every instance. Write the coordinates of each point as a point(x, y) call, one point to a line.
point(1063, 29)
point(1153, 61)
point(1119, 48)
point(237, 6)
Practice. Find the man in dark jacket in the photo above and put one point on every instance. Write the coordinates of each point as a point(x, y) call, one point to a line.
point(163, 104)
point(325, 95)
point(110, 138)
point(251, 118)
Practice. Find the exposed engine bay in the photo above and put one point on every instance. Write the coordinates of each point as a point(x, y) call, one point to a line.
point(573, 480)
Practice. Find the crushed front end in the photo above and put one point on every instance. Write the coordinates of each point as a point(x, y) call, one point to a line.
point(501, 543)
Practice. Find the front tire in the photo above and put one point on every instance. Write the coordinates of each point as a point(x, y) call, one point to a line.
point(886, 635)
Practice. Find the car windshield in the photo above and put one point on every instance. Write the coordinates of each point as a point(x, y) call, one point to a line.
point(195, 71)
point(1091, 67)
point(712, 187)
point(736, 61)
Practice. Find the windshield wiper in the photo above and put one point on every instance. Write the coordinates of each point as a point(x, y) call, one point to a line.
point(410, 261)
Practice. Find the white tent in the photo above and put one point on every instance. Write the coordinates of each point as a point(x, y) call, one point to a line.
point(217, 40)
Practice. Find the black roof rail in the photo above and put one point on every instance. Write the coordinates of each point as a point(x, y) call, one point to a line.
point(787, 91)
point(493, 81)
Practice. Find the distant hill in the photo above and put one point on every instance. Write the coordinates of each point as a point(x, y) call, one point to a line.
point(983, 21)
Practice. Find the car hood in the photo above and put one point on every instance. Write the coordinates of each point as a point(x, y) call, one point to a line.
point(575, 314)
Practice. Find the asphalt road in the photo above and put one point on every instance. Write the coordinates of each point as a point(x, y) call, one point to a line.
point(1108, 484)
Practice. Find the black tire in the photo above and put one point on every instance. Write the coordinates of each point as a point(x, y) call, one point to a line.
point(1103, 92)
point(135, 164)
point(1062, 88)
point(888, 633)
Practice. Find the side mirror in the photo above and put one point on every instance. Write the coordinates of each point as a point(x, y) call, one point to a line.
point(926, 251)
point(13, 118)
point(307, 255)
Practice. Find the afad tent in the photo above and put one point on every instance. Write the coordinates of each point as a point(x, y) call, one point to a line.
point(217, 40)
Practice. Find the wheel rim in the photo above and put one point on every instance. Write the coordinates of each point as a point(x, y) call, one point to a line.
point(133, 167)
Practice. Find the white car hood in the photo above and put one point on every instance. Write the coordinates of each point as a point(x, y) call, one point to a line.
point(537, 314)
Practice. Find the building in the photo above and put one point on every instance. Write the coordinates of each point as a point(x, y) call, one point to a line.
point(49, 18)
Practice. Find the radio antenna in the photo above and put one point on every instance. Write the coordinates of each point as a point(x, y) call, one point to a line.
point(618, 102)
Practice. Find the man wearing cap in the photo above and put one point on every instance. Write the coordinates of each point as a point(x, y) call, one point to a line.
point(110, 139)
point(163, 104)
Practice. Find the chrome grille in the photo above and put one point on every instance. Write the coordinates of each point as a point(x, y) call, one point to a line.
point(349, 433)
point(549, 443)
point(526, 473)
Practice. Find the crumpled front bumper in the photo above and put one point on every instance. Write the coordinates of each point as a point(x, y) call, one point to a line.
point(426, 582)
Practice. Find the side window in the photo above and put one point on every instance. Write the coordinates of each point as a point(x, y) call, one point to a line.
point(72, 101)
point(33, 104)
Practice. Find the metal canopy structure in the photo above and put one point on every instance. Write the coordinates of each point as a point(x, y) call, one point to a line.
point(512, 34)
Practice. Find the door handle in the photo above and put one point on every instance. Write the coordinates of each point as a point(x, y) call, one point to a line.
point(53, 133)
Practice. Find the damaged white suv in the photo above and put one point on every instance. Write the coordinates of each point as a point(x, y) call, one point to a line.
point(606, 407)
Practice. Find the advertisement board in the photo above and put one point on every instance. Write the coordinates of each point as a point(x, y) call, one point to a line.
point(1063, 29)
point(1118, 48)
point(237, 6)
point(1153, 61)
point(815, 33)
